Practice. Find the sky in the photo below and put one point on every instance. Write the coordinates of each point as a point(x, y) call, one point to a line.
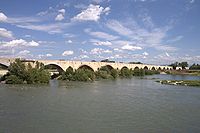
point(149, 31)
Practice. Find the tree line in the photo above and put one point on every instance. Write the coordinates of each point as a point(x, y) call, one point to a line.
point(183, 65)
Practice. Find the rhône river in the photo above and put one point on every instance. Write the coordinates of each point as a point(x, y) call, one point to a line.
point(108, 106)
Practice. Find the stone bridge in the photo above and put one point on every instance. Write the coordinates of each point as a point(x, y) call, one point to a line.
point(63, 65)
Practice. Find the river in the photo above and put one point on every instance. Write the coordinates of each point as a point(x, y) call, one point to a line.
point(107, 106)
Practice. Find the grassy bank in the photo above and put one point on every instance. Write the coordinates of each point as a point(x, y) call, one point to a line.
point(181, 82)
point(184, 72)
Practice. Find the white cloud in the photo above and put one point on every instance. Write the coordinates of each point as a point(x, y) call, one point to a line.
point(68, 52)
point(107, 51)
point(99, 43)
point(99, 51)
point(5, 33)
point(118, 27)
point(130, 47)
point(27, 36)
point(59, 17)
point(192, 1)
point(165, 48)
point(175, 39)
point(69, 41)
point(153, 37)
point(20, 20)
point(106, 10)
point(50, 28)
point(61, 14)
point(101, 35)
point(62, 11)
point(24, 52)
point(84, 56)
point(18, 43)
point(167, 54)
point(49, 55)
point(92, 13)
point(3, 17)
point(145, 53)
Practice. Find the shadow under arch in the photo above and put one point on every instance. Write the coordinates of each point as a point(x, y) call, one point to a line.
point(54, 67)
point(4, 67)
point(153, 68)
point(86, 67)
point(145, 68)
point(159, 68)
point(124, 67)
point(109, 67)
point(136, 68)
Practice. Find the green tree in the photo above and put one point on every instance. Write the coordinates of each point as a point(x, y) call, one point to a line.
point(19, 72)
point(114, 73)
point(125, 72)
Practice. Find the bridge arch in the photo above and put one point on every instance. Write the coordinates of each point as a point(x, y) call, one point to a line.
point(145, 67)
point(124, 67)
point(109, 67)
point(86, 67)
point(159, 68)
point(3, 66)
point(153, 68)
point(136, 68)
point(52, 66)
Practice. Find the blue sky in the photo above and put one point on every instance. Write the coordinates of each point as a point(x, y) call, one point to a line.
point(150, 31)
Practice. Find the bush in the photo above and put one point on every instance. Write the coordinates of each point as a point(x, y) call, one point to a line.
point(13, 79)
point(19, 73)
point(125, 72)
point(114, 73)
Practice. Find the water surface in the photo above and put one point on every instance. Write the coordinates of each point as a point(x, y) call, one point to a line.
point(109, 106)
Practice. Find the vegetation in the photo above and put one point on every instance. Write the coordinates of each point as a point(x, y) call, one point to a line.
point(181, 82)
point(135, 63)
point(105, 72)
point(19, 73)
point(181, 64)
point(195, 67)
point(106, 60)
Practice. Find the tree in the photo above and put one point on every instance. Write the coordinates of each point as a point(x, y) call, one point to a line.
point(114, 73)
point(125, 72)
point(195, 67)
point(19, 72)
point(183, 65)
point(174, 65)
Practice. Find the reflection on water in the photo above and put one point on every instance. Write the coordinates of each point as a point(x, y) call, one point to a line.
point(110, 106)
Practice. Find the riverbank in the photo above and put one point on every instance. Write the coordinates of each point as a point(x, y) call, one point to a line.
point(181, 82)
point(185, 72)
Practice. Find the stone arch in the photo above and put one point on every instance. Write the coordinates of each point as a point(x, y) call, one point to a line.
point(163, 68)
point(145, 68)
point(53, 67)
point(153, 68)
point(159, 68)
point(70, 67)
point(167, 68)
point(85, 67)
point(3, 66)
point(108, 66)
point(136, 68)
point(124, 67)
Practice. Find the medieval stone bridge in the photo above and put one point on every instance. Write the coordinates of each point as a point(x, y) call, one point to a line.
point(63, 65)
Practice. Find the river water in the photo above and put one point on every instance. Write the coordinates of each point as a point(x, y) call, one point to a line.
point(108, 106)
